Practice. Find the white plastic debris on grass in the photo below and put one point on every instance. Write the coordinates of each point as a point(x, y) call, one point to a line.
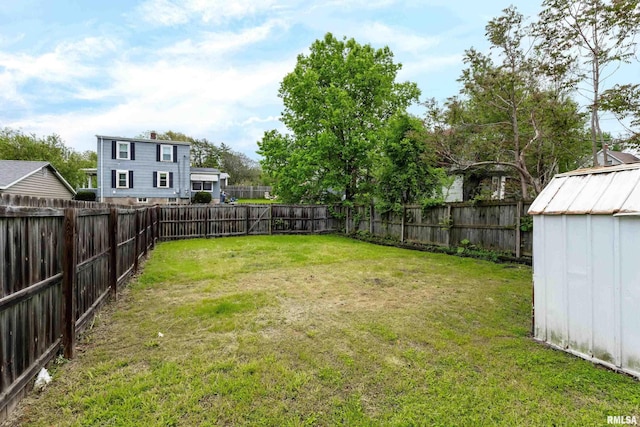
point(42, 380)
point(160, 334)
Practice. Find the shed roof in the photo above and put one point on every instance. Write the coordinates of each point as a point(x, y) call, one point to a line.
point(600, 191)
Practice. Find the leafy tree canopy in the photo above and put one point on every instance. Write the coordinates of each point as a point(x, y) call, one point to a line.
point(16, 145)
point(337, 103)
point(510, 114)
point(590, 39)
point(405, 172)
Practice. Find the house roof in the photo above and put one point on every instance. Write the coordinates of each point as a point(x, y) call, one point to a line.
point(205, 170)
point(14, 171)
point(613, 190)
point(623, 157)
point(155, 141)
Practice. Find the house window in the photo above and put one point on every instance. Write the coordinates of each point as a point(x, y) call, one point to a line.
point(122, 179)
point(207, 186)
point(123, 150)
point(163, 179)
point(143, 200)
point(166, 153)
point(196, 186)
point(172, 200)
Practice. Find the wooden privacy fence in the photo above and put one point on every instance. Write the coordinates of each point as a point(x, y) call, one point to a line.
point(247, 191)
point(186, 222)
point(58, 265)
point(498, 226)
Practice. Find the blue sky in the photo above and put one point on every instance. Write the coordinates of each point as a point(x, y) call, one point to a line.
point(208, 68)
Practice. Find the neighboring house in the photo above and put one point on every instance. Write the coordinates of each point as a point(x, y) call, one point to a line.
point(206, 179)
point(615, 158)
point(224, 179)
point(33, 178)
point(149, 171)
point(465, 185)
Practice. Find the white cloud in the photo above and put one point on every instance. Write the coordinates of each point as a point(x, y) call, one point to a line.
point(254, 119)
point(163, 13)
point(398, 39)
point(429, 64)
point(176, 12)
point(211, 43)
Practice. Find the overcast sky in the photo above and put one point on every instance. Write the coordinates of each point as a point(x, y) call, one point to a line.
point(208, 68)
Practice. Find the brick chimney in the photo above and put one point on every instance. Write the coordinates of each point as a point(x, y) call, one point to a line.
point(153, 134)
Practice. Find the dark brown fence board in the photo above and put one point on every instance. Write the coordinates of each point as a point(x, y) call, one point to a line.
point(48, 246)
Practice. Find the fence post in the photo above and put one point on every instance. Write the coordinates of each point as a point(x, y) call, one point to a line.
point(145, 227)
point(153, 227)
point(402, 223)
point(519, 209)
point(246, 210)
point(136, 241)
point(113, 252)
point(313, 217)
point(346, 222)
point(449, 219)
point(270, 218)
point(207, 218)
point(69, 279)
point(158, 224)
point(371, 214)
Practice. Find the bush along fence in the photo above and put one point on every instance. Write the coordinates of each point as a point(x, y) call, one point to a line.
point(61, 260)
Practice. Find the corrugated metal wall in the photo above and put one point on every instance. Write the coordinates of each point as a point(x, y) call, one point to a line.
point(587, 287)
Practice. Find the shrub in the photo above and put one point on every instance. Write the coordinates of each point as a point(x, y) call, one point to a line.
point(87, 196)
point(202, 197)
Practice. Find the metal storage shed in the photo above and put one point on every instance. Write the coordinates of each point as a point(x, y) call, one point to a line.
point(586, 265)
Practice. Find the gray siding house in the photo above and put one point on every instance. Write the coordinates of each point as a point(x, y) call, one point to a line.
point(206, 179)
point(150, 171)
point(33, 178)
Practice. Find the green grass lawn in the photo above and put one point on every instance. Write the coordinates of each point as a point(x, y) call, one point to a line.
point(323, 330)
point(256, 201)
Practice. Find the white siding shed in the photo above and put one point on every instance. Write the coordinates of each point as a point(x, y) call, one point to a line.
point(586, 265)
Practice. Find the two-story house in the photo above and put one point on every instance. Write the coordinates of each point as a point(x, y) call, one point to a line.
point(149, 171)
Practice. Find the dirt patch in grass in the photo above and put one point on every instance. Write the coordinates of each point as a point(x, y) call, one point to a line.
point(322, 330)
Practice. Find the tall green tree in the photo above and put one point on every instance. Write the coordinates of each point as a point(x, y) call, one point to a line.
point(510, 116)
point(16, 145)
point(624, 102)
point(242, 169)
point(337, 102)
point(591, 38)
point(406, 171)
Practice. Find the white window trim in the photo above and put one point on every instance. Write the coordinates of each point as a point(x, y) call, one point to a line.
point(162, 147)
point(158, 183)
point(205, 183)
point(128, 144)
point(195, 189)
point(143, 200)
point(126, 174)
